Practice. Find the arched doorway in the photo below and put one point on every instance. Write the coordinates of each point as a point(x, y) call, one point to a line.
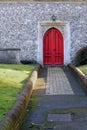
point(53, 48)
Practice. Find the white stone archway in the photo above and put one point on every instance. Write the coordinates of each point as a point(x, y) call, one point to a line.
point(65, 30)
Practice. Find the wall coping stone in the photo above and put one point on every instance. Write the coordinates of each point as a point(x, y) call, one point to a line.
point(82, 78)
point(14, 117)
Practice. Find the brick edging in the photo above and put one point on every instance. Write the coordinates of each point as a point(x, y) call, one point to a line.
point(80, 76)
point(14, 117)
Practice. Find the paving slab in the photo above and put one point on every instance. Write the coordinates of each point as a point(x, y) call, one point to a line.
point(59, 117)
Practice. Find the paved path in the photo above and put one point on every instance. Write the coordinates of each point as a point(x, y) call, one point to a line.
point(58, 102)
point(61, 82)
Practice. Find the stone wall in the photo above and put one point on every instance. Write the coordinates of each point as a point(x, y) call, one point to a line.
point(10, 56)
point(19, 25)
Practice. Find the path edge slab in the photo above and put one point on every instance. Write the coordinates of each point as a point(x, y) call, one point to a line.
point(14, 117)
point(82, 78)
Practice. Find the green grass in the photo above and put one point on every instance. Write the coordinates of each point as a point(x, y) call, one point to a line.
point(12, 79)
point(83, 69)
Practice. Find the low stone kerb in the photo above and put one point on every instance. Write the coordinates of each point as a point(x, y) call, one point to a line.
point(80, 76)
point(14, 117)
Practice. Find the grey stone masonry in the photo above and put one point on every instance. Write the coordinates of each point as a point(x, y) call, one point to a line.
point(10, 55)
point(19, 25)
point(18, 1)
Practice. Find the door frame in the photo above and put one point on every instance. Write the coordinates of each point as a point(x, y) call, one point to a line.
point(61, 42)
point(64, 28)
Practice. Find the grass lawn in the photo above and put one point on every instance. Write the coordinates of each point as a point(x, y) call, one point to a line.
point(83, 68)
point(12, 79)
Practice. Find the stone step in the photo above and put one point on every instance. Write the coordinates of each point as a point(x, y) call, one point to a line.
point(71, 126)
point(60, 126)
point(57, 104)
point(62, 101)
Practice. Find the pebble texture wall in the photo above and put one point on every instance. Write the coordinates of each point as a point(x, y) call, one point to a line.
point(19, 25)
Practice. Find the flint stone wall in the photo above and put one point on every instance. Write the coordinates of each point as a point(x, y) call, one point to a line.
point(19, 25)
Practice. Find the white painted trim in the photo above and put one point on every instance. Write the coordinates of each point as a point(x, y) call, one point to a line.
point(57, 24)
point(67, 45)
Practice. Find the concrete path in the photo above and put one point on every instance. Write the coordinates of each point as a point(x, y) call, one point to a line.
point(58, 102)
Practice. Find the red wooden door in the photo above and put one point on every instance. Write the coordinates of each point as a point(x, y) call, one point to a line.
point(53, 47)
